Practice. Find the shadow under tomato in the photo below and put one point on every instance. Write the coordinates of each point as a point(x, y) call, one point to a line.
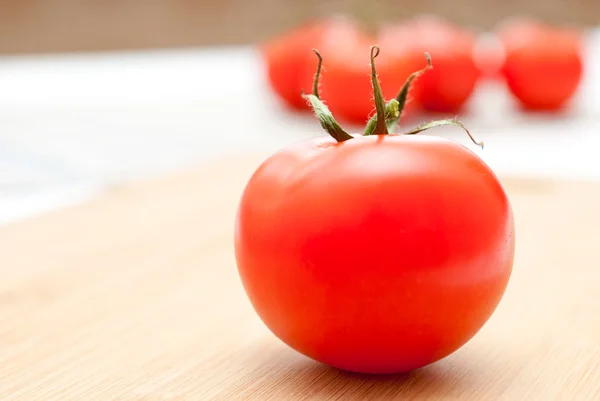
point(306, 379)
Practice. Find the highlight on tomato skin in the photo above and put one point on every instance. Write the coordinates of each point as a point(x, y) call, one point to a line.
point(374, 253)
point(543, 65)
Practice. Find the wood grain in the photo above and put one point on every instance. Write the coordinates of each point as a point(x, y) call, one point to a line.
point(135, 296)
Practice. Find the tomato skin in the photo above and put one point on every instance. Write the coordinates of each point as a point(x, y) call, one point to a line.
point(346, 86)
point(346, 81)
point(452, 81)
point(287, 58)
point(380, 254)
point(543, 65)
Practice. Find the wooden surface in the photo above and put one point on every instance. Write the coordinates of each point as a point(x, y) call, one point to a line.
point(135, 296)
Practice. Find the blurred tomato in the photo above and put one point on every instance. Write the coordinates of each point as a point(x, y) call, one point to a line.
point(346, 79)
point(345, 83)
point(543, 64)
point(448, 86)
point(287, 57)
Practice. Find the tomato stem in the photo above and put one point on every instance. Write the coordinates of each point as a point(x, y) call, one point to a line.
point(403, 93)
point(321, 111)
point(380, 125)
point(391, 114)
point(315, 89)
point(440, 123)
point(387, 114)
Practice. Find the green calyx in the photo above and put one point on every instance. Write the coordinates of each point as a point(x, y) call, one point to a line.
point(322, 112)
point(387, 115)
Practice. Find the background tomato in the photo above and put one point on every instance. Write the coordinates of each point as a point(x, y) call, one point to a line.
point(287, 58)
point(543, 65)
point(452, 81)
point(346, 79)
point(378, 254)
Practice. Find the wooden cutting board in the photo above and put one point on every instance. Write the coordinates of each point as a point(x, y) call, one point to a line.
point(135, 296)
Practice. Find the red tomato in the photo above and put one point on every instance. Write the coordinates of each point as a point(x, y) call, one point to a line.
point(543, 65)
point(374, 254)
point(286, 59)
point(346, 81)
point(452, 81)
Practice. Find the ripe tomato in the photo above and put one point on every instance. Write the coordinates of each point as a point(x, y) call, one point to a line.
point(451, 83)
point(374, 254)
point(346, 80)
point(543, 65)
point(286, 58)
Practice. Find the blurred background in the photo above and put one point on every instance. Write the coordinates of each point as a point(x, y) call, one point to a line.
point(89, 25)
point(94, 94)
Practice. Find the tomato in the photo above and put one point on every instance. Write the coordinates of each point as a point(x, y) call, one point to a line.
point(453, 80)
point(346, 83)
point(286, 57)
point(543, 65)
point(375, 254)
